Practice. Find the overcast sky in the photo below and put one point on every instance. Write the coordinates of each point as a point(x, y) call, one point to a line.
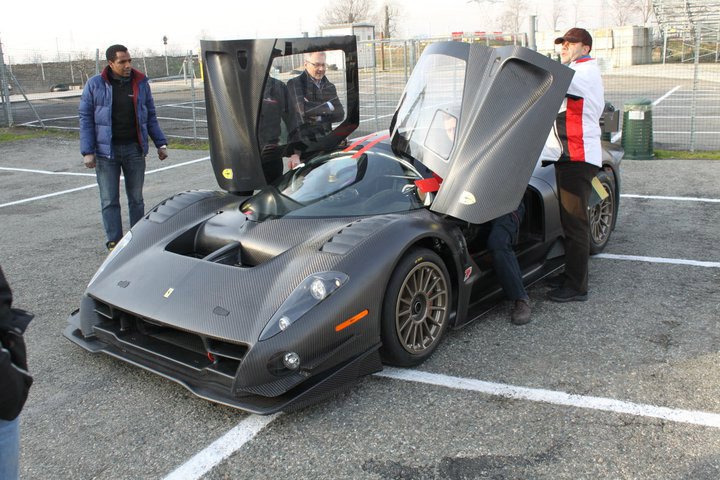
point(66, 27)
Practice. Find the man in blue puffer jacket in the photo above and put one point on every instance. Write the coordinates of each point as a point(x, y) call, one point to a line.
point(117, 115)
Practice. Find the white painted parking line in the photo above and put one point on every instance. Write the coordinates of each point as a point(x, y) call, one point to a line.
point(63, 192)
point(188, 105)
point(683, 132)
point(687, 117)
point(618, 135)
point(377, 118)
point(46, 172)
point(246, 430)
point(49, 195)
point(169, 167)
point(173, 119)
point(673, 261)
point(675, 199)
point(221, 448)
point(554, 397)
point(656, 102)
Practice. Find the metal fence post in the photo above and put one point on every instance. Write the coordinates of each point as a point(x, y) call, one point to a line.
point(375, 97)
point(192, 92)
point(532, 23)
point(405, 60)
point(4, 92)
point(696, 80)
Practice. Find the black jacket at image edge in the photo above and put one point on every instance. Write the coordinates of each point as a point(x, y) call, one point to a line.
point(15, 380)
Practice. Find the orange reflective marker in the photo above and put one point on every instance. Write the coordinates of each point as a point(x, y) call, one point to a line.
point(351, 320)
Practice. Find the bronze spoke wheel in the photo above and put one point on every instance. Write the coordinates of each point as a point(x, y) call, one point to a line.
point(416, 308)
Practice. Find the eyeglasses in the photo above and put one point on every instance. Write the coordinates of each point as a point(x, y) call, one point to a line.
point(317, 65)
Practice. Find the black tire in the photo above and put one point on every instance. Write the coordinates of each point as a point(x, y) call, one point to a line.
point(603, 215)
point(413, 318)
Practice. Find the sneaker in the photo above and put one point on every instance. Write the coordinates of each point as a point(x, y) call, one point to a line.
point(111, 246)
point(556, 282)
point(520, 314)
point(566, 294)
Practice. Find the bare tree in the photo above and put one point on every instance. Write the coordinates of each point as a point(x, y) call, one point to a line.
point(481, 4)
point(645, 8)
point(575, 12)
point(622, 11)
point(556, 14)
point(345, 11)
point(512, 17)
point(388, 18)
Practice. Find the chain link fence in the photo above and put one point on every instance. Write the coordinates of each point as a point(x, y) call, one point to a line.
point(678, 73)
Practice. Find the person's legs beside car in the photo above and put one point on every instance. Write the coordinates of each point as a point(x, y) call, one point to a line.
point(108, 178)
point(574, 185)
point(133, 166)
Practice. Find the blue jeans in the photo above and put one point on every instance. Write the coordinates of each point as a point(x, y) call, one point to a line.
point(10, 449)
point(503, 234)
point(130, 159)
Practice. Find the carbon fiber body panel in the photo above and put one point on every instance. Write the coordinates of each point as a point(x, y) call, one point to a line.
point(192, 292)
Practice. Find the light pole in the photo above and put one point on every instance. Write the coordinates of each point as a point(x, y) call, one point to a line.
point(167, 68)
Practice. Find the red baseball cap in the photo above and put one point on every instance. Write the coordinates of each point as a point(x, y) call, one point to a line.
point(576, 35)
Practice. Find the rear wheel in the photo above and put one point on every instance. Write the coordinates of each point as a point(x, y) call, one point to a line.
point(602, 215)
point(416, 308)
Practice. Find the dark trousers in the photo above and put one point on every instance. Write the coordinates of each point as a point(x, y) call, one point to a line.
point(272, 162)
point(504, 232)
point(574, 186)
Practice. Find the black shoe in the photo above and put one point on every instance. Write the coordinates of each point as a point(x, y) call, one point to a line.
point(566, 294)
point(111, 246)
point(556, 281)
point(520, 314)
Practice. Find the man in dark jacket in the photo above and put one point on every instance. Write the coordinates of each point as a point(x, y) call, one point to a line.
point(274, 113)
point(15, 380)
point(117, 114)
point(314, 100)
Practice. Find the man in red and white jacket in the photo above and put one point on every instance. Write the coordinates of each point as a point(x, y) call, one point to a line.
point(575, 141)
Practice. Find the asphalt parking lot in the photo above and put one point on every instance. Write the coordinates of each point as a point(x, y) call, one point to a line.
point(625, 385)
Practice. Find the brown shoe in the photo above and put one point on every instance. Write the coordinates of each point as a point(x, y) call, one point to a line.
point(520, 314)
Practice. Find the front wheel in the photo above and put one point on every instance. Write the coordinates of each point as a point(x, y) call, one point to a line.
point(602, 215)
point(416, 308)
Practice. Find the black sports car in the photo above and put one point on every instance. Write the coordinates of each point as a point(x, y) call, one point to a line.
point(270, 295)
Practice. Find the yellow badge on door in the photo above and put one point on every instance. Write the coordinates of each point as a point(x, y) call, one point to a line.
point(228, 173)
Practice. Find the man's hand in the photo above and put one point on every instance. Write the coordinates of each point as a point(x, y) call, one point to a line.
point(294, 161)
point(162, 153)
point(89, 160)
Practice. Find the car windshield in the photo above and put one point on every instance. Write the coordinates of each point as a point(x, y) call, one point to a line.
point(338, 185)
point(429, 112)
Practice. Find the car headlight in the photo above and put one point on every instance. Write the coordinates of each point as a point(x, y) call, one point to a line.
point(311, 291)
point(120, 245)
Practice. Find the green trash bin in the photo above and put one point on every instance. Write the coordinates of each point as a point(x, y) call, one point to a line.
point(637, 133)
